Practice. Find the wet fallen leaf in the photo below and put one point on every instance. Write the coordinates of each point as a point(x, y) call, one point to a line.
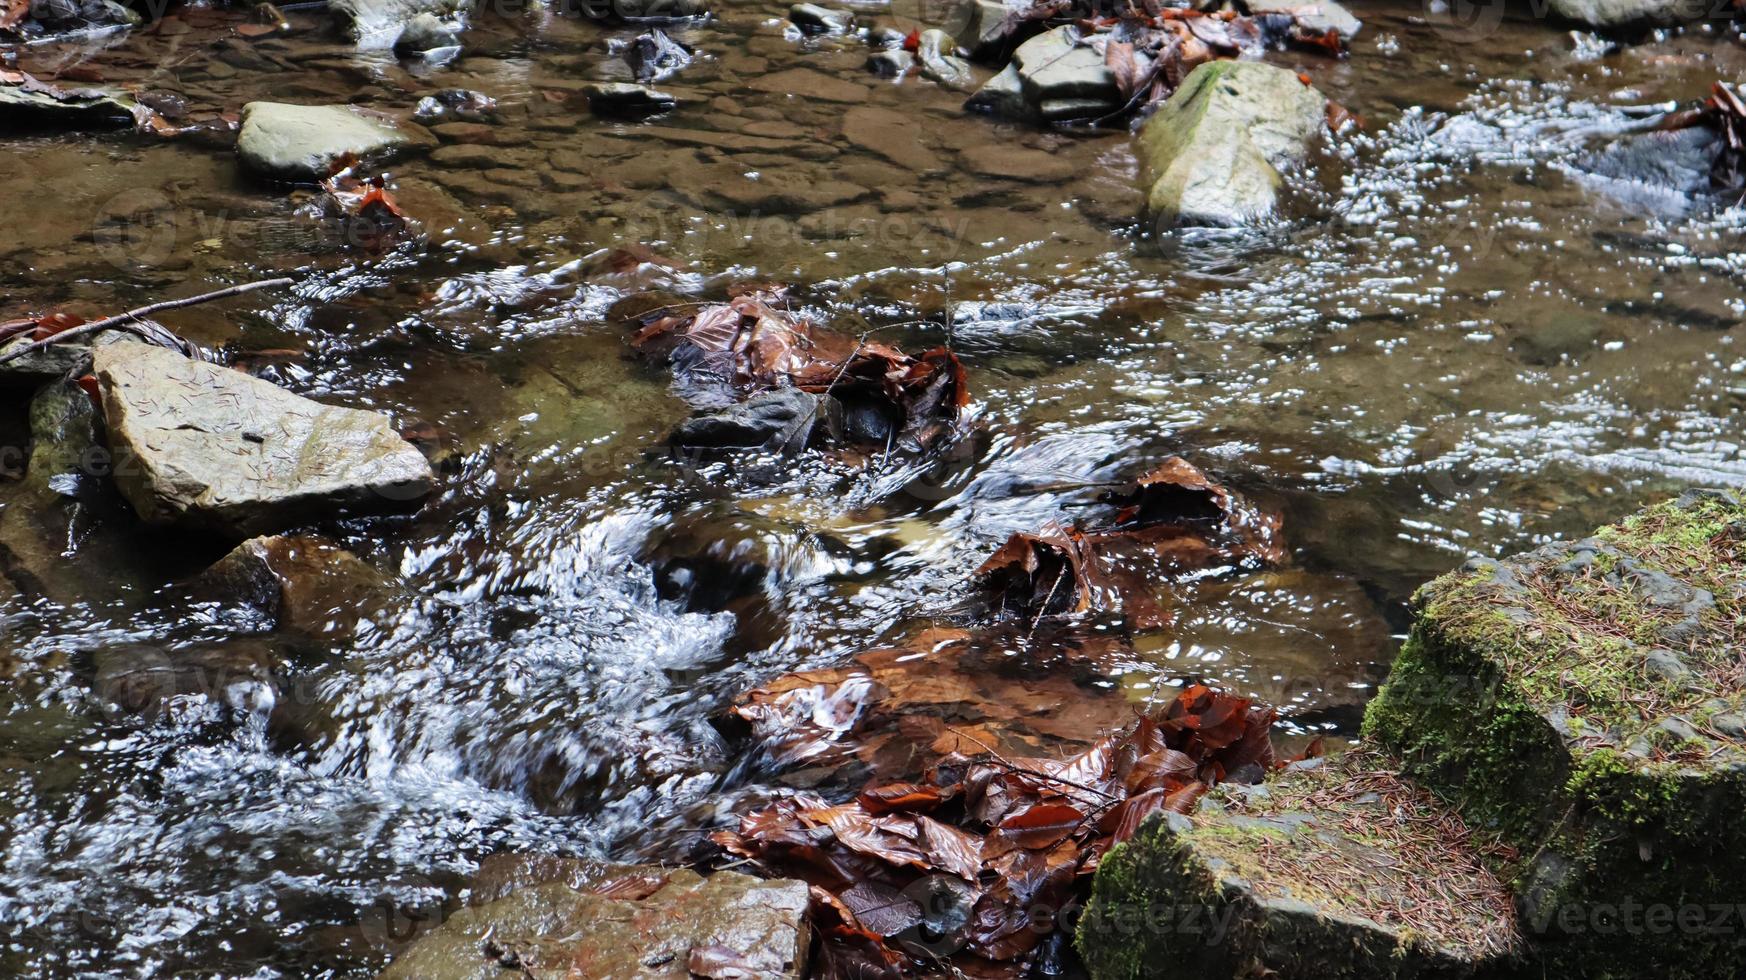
point(12, 12)
point(878, 397)
point(1171, 522)
point(1008, 843)
point(369, 217)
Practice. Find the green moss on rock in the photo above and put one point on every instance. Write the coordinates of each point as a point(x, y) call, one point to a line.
point(1582, 702)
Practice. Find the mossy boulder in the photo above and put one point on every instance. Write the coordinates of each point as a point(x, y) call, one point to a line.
point(1333, 871)
point(1583, 701)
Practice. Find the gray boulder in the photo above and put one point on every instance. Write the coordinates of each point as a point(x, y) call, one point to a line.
point(1316, 15)
point(303, 143)
point(1052, 77)
point(632, 923)
point(1631, 13)
point(49, 106)
point(1215, 153)
point(890, 62)
point(208, 448)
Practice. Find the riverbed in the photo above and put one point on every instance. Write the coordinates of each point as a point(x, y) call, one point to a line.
point(1453, 343)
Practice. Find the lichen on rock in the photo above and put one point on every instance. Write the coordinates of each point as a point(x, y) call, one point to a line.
point(1582, 701)
point(1336, 868)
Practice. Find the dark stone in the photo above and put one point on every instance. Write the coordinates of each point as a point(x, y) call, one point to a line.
point(780, 421)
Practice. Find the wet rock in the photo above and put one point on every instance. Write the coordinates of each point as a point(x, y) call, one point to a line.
point(207, 448)
point(144, 680)
point(890, 134)
point(1629, 13)
point(1315, 15)
point(627, 99)
point(654, 55)
point(936, 51)
point(814, 19)
point(1057, 79)
point(1003, 95)
point(380, 23)
point(1215, 152)
point(1543, 695)
point(303, 143)
point(641, 922)
point(59, 528)
point(457, 103)
point(1299, 880)
point(64, 16)
point(301, 583)
point(426, 34)
point(42, 365)
point(779, 421)
point(890, 62)
point(58, 108)
point(992, 28)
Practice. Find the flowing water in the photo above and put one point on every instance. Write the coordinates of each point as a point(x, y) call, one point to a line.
point(1457, 344)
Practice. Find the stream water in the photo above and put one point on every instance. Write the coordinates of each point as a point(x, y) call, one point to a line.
point(1456, 344)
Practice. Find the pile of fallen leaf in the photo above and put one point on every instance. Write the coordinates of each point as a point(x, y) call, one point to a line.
point(975, 864)
point(861, 393)
point(1172, 522)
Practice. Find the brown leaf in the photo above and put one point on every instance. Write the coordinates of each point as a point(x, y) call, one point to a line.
point(1043, 825)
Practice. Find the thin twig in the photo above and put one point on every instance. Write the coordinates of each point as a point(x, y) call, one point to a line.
point(133, 315)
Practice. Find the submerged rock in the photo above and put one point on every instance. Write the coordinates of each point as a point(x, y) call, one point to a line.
point(66, 16)
point(627, 99)
point(1569, 698)
point(654, 55)
point(1665, 171)
point(1301, 879)
point(305, 142)
point(1215, 152)
point(144, 680)
point(208, 448)
point(297, 582)
point(640, 922)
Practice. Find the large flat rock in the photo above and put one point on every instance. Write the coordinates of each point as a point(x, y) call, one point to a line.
point(211, 449)
point(1585, 701)
point(1217, 151)
point(304, 143)
point(1336, 870)
point(630, 924)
